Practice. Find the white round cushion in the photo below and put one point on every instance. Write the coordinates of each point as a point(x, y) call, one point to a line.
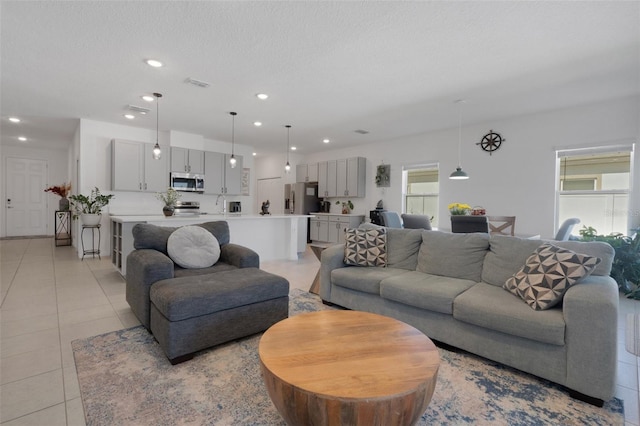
point(193, 247)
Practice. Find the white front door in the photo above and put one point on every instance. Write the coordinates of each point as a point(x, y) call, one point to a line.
point(26, 202)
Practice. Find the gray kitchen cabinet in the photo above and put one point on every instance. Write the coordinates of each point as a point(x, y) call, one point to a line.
point(307, 172)
point(351, 177)
point(134, 169)
point(187, 160)
point(327, 179)
point(329, 228)
point(220, 178)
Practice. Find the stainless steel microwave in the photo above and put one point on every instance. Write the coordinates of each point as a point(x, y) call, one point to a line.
point(189, 182)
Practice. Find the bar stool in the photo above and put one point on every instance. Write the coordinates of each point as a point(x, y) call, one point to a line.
point(93, 251)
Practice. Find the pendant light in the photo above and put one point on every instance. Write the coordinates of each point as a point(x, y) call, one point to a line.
point(232, 160)
point(157, 152)
point(459, 174)
point(287, 167)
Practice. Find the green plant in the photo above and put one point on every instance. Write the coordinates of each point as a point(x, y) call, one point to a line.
point(626, 263)
point(347, 203)
point(169, 198)
point(91, 204)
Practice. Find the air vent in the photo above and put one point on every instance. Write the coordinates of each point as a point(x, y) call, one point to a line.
point(141, 110)
point(198, 83)
point(362, 132)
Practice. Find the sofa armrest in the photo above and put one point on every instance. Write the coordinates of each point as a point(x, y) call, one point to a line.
point(590, 311)
point(239, 256)
point(332, 258)
point(145, 267)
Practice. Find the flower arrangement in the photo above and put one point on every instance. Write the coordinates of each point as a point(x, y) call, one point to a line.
point(169, 198)
point(459, 209)
point(347, 206)
point(61, 190)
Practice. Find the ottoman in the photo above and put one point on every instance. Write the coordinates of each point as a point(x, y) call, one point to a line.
point(192, 313)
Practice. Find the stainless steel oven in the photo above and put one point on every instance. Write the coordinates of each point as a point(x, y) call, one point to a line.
point(189, 182)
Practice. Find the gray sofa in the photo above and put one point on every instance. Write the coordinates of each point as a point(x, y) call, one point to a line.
point(449, 286)
point(188, 310)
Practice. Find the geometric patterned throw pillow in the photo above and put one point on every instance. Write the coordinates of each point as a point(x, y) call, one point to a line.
point(365, 247)
point(547, 275)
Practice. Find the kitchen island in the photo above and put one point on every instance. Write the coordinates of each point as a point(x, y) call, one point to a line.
point(271, 236)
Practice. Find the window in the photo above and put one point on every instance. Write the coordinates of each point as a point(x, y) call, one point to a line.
point(422, 191)
point(594, 185)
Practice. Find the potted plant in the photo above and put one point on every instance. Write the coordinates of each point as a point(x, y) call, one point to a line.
point(61, 190)
point(626, 263)
point(169, 198)
point(347, 206)
point(89, 208)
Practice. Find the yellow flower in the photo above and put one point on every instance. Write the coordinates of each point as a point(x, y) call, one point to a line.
point(459, 208)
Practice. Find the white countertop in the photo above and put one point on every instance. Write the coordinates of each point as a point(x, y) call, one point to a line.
point(335, 214)
point(203, 217)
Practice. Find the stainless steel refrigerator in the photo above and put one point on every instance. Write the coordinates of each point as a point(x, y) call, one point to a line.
point(301, 198)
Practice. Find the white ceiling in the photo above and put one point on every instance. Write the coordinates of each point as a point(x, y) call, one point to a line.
point(392, 68)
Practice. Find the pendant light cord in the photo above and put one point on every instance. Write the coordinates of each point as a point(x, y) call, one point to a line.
point(460, 134)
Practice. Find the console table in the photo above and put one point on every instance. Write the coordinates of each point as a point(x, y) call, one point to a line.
point(62, 221)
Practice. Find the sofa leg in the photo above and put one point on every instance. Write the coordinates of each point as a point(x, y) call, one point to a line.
point(182, 358)
point(586, 398)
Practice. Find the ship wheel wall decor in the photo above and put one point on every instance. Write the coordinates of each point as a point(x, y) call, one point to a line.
point(491, 142)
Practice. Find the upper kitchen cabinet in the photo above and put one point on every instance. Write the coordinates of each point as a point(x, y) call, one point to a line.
point(307, 172)
point(327, 179)
point(187, 160)
point(351, 177)
point(220, 177)
point(134, 169)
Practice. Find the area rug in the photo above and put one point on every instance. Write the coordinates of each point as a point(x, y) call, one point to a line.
point(125, 379)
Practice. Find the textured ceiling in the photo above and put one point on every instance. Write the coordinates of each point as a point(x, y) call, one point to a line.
point(391, 68)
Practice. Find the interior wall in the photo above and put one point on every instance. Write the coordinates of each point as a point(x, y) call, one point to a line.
point(58, 173)
point(517, 180)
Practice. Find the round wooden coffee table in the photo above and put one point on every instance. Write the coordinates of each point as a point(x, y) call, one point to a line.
point(348, 368)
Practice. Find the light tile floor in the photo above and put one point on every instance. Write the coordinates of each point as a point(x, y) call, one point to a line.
point(50, 297)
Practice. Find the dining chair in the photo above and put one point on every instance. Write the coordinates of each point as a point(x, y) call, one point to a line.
point(391, 220)
point(462, 224)
point(564, 232)
point(416, 221)
point(502, 225)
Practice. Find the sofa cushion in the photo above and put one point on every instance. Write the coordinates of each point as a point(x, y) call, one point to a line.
point(547, 275)
point(366, 280)
point(491, 307)
point(402, 246)
point(147, 236)
point(365, 247)
point(453, 255)
point(432, 292)
point(507, 255)
point(188, 297)
point(193, 247)
point(219, 266)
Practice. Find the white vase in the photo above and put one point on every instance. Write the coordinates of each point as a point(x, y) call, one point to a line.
point(90, 219)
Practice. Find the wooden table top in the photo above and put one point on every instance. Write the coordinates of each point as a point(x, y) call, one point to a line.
point(349, 354)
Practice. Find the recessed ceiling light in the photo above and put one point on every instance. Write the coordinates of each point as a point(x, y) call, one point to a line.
point(22, 139)
point(262, 96)
point(257, 123)
point(129, 116)
point(154, 63)
point(293, 148)
point(14, 119)
point(254, 154)
point(326, 140)
point(147, 98)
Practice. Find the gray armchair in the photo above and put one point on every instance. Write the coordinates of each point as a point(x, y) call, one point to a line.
point(416, 221)
point(564, 232)
point(150, 263)
point(391, 220)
